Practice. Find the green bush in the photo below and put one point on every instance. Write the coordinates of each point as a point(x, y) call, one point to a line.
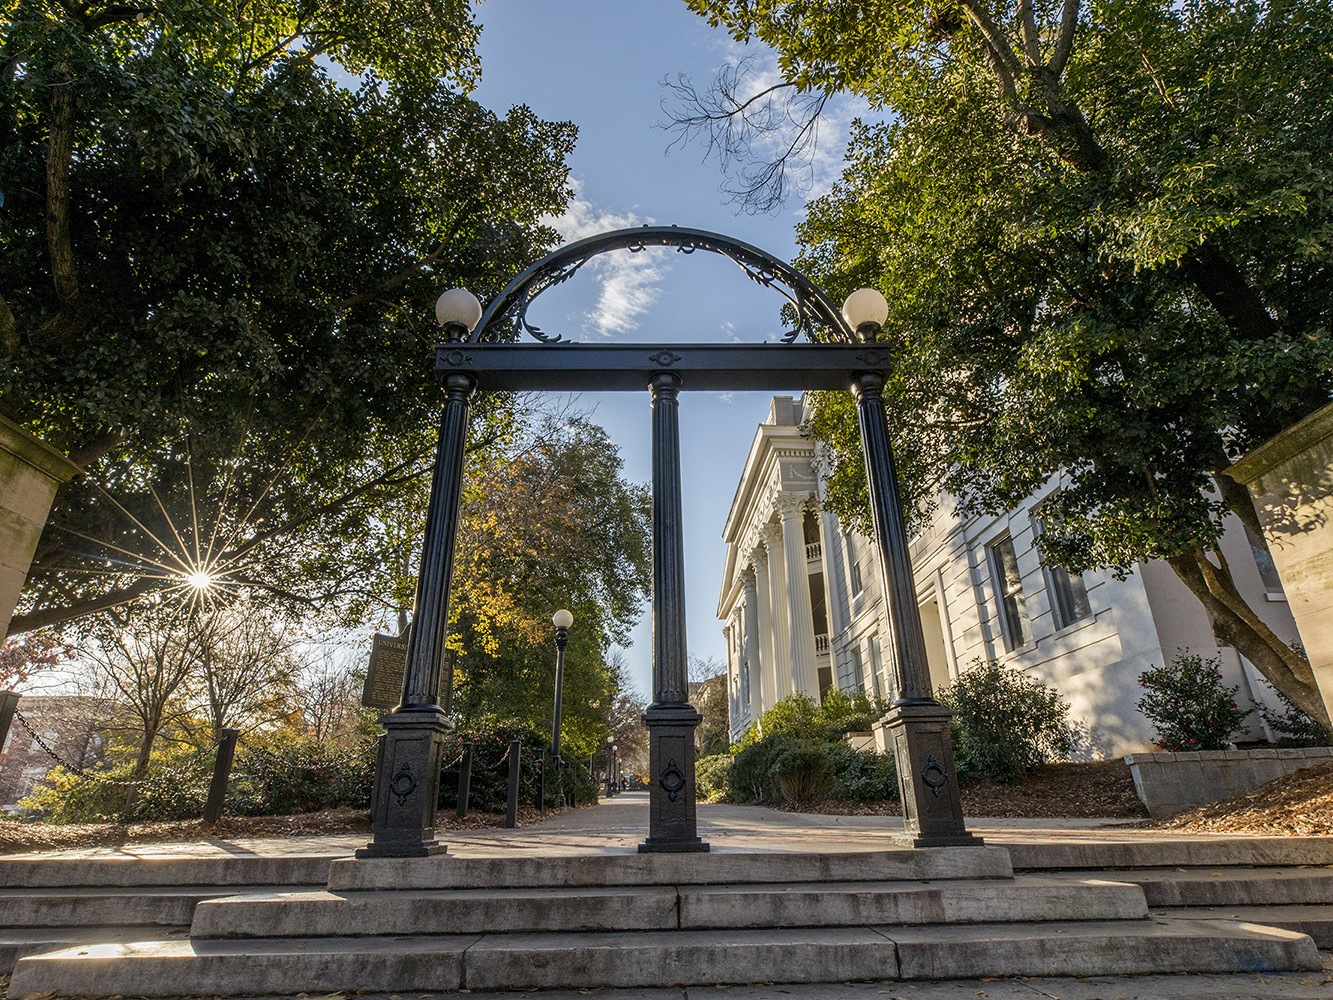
point(712, 777)
point(1005, 723)
point(863, 775)
point(275, 774)
point(803, 773)
point(752, 769)
point(175, 787)
point(1189, 705)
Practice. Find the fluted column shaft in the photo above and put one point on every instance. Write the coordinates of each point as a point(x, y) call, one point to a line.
point(751, 650)
point(765, 666)
point(780, 610)
point(804, 672)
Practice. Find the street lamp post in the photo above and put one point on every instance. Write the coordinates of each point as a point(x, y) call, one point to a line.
point(562, 620)
point(917, 723)
point(615, 748)
point(610, 749)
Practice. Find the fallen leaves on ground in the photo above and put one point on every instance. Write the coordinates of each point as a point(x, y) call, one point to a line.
point(1300, 804)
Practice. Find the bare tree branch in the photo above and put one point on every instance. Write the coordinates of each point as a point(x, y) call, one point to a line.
point(758, 138)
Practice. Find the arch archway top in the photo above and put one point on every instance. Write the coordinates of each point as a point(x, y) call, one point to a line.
point(506, 318)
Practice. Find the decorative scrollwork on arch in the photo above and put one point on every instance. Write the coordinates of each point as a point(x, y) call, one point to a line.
point(813, 315)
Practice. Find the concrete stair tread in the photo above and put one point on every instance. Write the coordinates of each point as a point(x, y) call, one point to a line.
point(1315, 920)
point(438, 911)
point(139, 892)
point(562, 960)
point(1222, 851)
point(143, 905)
point(1202, 873)
point(1231, 886)
point(55, 872)
point(632, 868)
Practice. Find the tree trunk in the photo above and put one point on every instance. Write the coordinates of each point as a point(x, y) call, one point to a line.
point(1235, 624)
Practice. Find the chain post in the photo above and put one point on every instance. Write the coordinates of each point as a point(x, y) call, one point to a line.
point(511, 805)
point(9, 703)
point(464, 781)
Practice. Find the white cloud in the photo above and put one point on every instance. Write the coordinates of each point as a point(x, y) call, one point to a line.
point(628, 283)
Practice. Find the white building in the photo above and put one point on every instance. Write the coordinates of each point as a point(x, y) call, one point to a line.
point(802, 609)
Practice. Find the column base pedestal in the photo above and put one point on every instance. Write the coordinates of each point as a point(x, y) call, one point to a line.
point(927, 777)
point(407, 786)
point(672, 823)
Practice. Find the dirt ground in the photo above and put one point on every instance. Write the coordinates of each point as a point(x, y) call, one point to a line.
point(1299, 804)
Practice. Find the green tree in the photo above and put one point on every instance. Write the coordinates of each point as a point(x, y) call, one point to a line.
point(1104, 232)
point(217, 262)
point(547, 523)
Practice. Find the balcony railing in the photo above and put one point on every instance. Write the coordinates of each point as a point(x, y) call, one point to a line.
point(813, 551)
point(821, 645)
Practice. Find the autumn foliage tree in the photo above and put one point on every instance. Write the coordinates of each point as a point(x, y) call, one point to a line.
point(1103, 231)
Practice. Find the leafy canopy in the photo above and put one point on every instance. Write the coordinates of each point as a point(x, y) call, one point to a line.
point(218, 255)
point(1105, 233)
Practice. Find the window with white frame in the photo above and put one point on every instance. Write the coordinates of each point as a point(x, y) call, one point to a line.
point(1003, 560)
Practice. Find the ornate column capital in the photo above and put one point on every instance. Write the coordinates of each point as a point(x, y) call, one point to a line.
point(792, 505)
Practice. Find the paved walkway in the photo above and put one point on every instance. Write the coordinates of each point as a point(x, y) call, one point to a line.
point(618, 824)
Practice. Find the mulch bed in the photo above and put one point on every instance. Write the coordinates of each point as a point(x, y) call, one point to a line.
point(1095, 789)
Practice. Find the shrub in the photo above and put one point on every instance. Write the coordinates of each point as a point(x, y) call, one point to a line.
point(1005, 723)
point(842, 713)
point(795, 715)
point(803, 773)
point(275, 774)
point(174, 788)
point(1292, 727)
point(712, 776)
point(752, 769)
point(1188, 704)
point(863, 776)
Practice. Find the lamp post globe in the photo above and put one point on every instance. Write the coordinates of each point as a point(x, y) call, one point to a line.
point(866, 311)
point(458, 311)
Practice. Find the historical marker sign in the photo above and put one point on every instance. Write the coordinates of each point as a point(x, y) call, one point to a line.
point(388, 665)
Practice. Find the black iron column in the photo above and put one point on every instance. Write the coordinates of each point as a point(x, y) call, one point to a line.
point(671, 719)
point(917, 723)
point(407, 771)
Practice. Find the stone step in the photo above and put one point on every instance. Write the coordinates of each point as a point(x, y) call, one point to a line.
point(226, 967)
point(802, 904)
point(1317, 921)
point(51, 872)
point(719, 867)
point(1224, 851)
point(17, 942)
point(166, 906)
point(1234, 886)
point(1237, 886)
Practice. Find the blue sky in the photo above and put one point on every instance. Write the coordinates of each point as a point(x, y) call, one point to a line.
point(600, 64)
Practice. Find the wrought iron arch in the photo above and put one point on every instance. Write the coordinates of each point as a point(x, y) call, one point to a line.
point(506, 318)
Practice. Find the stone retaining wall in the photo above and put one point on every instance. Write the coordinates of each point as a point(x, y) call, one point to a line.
point(1169, 783)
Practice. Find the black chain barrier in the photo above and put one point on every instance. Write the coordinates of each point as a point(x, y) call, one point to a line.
point(78, 770)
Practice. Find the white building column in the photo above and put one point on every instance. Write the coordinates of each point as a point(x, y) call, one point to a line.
point(801, 637)
point(750, 652)
point(764, 669)
point(779, 604)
